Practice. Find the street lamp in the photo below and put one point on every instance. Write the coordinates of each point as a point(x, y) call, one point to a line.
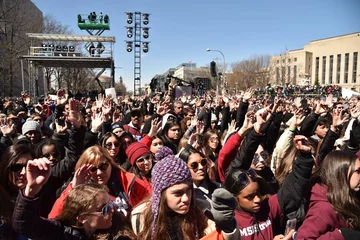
point(224, 70)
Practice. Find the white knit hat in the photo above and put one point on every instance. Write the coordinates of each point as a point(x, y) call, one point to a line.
point(30, 125)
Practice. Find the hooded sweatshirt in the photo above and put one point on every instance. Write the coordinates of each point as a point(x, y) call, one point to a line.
point(259, 226)
point(321, 221)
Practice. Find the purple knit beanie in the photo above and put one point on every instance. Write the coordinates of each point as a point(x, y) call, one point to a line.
point(168, 171)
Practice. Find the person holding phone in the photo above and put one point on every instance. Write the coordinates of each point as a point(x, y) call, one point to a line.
point(333, 201)
point(259, 217)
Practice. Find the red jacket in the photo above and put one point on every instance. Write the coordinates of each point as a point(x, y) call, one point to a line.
point(321, 221)
point(228, 153)
point(147, 140)
point(136, 189)
point(259, 226)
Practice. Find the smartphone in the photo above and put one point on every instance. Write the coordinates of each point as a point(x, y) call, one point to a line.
point(290, 225)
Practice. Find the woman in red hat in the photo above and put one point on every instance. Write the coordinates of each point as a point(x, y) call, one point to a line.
point(141, 160)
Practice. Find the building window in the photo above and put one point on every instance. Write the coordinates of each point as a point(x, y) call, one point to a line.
point(295, 73)
point(289, 60)
point(338, 67)
point(317, 70)
point(277, 61)
point(283, 61)
point(323, 70)
point(346, 72)
point(283, 73)
point(277, 74)
point(289, 72)
point(295, 59)
point(355, 59)
point(331, 69)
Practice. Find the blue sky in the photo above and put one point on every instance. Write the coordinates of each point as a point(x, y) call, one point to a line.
point(182, 30)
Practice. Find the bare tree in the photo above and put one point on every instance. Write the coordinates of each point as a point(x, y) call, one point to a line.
point(17, 17)
point(53, 26)
point(252, 72)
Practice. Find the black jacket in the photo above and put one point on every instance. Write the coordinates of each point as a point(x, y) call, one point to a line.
point(27, 221)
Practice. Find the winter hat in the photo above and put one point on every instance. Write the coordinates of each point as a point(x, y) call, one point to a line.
point(116, 125)
point(168, 171)
point(136, 150)
point(30, 125)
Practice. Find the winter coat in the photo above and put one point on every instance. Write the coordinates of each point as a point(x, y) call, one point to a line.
point(228, 153)
point(212, 233)
point(134, 188)
point(27, 221)
point(323, 214)
point(265, 224)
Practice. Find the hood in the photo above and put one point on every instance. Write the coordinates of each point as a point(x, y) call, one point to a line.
point(318, 193)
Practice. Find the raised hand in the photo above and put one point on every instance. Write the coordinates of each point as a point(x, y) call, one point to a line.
point(75, 117)
point(297, 102)
point(194, 121)
point(298, 118)
point(301, 143)
point(248, 94)
point(192, 140)
point(337, 119)
point(61, 97)
point(37, 173)
point(248, 122)
point(6, 129)
point(60, 129)
point(200, 127)
point(82, 175)
point(99, 100)
point(97, 122)
point(232, 127)
point(107, 108)
point(26, 98)
point(155, 127)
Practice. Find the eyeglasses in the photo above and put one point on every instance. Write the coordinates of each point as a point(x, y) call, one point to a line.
point(142, 160)
point(110, 144)
point(195, 165)
point(17, 167)
point(101, 167)
point(105, 210)
point(243, 179)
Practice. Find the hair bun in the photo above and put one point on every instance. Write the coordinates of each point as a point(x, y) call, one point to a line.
point(163, 153)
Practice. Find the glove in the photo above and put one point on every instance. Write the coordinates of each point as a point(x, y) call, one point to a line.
point(222, 210)
point(350, 234)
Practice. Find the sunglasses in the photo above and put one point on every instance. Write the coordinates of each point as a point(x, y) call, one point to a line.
point(17, 167)
point(195, 165)
point(243, 179)
point(105, 210)
point(102, 167)
point(109, 145)
point(142, 160)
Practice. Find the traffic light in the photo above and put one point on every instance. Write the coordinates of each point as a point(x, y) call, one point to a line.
point(213, 69)
point(145, 18)
point(129, 46)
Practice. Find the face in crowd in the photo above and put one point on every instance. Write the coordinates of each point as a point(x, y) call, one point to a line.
point(178, 197)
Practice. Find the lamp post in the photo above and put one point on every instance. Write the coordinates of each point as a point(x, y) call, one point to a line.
point(224, 69)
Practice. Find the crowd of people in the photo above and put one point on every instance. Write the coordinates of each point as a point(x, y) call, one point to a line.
point(244, 166)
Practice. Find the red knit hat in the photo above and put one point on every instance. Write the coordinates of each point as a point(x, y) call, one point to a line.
point(136, 150)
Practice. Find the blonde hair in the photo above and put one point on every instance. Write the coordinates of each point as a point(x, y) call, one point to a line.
point(93, 155)
point(80, 200)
